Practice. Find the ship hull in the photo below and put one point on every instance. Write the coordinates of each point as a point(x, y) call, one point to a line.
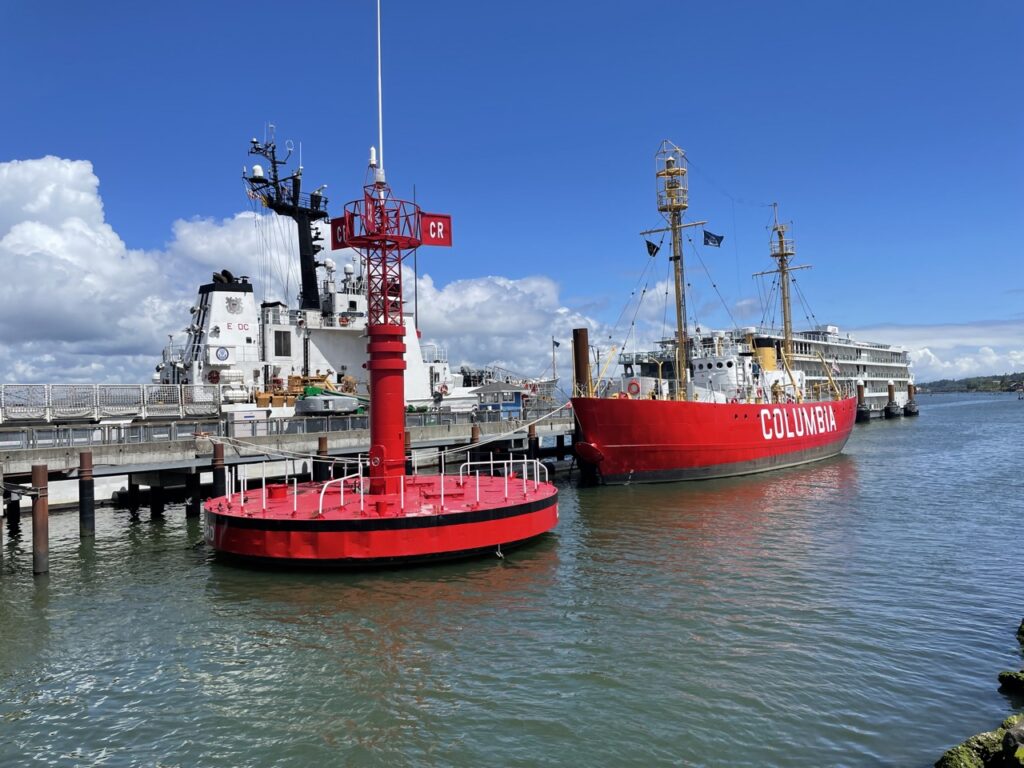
point(651, 441)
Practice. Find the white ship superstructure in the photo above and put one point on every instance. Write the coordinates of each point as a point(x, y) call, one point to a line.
point(727, 365)
point(246, 348)
point(767, 364)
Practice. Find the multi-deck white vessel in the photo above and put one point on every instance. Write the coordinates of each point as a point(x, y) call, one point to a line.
point(725, 364)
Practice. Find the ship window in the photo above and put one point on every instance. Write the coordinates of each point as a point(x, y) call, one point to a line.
point(719, 365)
point(729, 364)
point(282, 344)
point(351, 306)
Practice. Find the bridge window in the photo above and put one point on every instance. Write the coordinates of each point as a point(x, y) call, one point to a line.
point(282, 344)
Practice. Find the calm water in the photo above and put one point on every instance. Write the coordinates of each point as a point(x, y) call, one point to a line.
point(855, 613)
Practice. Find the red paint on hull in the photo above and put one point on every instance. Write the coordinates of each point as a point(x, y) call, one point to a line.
point(662, 440)
point(377, 529)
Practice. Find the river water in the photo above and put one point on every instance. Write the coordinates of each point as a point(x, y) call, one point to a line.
point(854, 612)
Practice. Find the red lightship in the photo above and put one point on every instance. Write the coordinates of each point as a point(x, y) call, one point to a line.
point(714, 405)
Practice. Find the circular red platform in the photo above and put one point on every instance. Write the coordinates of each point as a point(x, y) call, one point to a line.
point(334, 524)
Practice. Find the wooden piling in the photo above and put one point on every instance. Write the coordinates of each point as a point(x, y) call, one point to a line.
point(133, 495)
point(320, 466)
point(40, 519)
point(193, 504)
point(473, 454)
point(86, 496)
point(156, 502)
point(12, 509)
point(217, 465)
point(533, 443)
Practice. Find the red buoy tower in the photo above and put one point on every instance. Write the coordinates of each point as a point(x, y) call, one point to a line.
point(384, 229)
point(375, 514)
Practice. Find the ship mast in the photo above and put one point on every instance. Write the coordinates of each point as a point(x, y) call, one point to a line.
point(783, 248)
point(285, 197)
point(670, 172)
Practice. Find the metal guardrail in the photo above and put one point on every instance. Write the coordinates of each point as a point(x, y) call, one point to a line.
point(103, 434)
point(80, 436)
point(55, 402)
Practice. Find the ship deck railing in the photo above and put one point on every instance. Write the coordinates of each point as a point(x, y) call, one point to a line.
point(64, 402)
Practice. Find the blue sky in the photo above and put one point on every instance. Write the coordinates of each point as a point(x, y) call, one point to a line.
point(890, 134)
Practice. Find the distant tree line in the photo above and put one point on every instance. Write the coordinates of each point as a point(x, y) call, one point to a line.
point(1007, 382)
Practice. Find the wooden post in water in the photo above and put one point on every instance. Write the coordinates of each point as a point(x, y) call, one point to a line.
point(533, 443)
point(320, 468)
point(12, 508)
point(193, 504)
point(560, 445)
point(86, 496)
point(156, 499)
point(133, 495)
point(40, 519)
point(474, 438)
point(219, 485)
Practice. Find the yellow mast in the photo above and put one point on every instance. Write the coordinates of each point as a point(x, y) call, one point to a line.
point(783, 249)
point(672, 201)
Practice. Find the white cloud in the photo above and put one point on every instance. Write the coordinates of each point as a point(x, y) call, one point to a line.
point(87, 308)
point(501, 321)
point(956, 350)
point(79, 305)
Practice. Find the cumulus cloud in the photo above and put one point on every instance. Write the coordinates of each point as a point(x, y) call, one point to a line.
point(500, 321)
point(85, 307)
point(80, 305)
point(957, 350)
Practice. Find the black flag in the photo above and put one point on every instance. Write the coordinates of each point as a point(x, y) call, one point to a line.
point(712, 239)
point(652, 249)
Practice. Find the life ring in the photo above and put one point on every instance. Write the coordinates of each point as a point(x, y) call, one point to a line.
point(213, 377)
point(343, 320)
point(443, 389)
point(633, 387)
